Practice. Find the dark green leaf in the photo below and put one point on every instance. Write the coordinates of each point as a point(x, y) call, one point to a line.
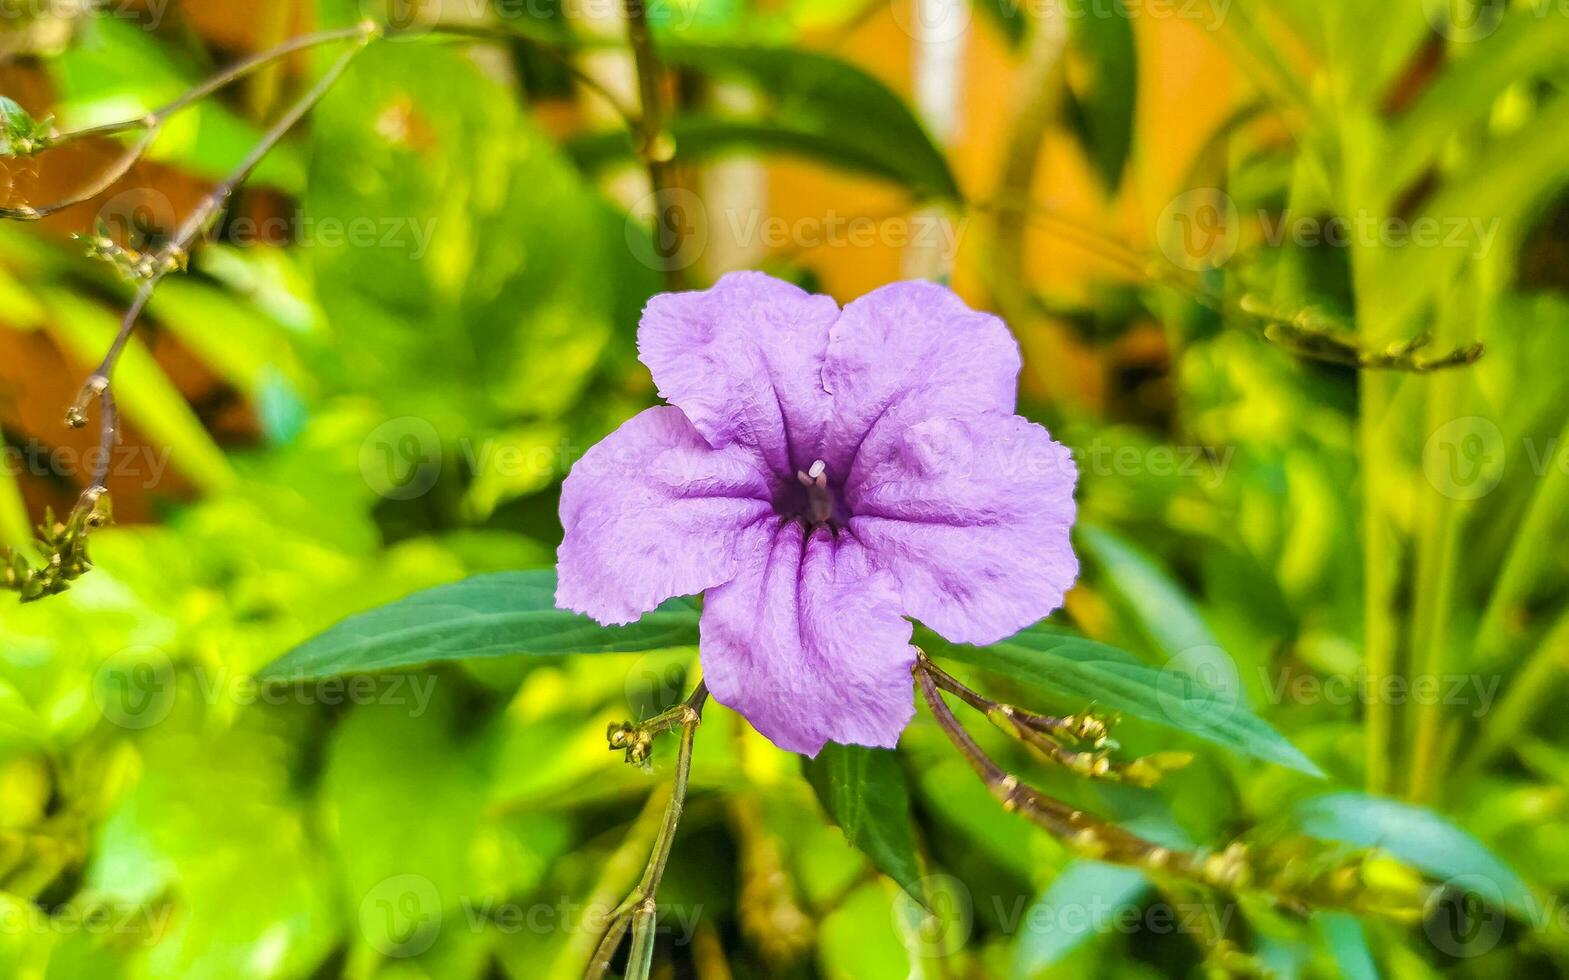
point(1417, 836)
point(865, 793)
point(1008, 16)
point(1104, 88)
point(1089, 672)
point(810, 104)
point(510, 613)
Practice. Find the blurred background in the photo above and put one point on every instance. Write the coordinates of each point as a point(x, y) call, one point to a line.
point(1289, 278)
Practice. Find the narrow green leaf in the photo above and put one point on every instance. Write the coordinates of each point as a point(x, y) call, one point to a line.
point(499, 615)
point(1417, 836)
point(1164, 613)
point(1347, 942)
point(1089, 672)
point(865, 792)
point(1523, 45)
point(809, 104)
point(1104, 89)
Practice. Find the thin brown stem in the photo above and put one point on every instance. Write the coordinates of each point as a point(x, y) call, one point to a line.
point(151, 123)
point(173, 256)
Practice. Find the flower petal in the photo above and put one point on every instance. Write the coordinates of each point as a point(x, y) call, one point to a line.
point(807, 643)
point(744, 361)
point(652, 512)
point(972, 516)
point(916, 349)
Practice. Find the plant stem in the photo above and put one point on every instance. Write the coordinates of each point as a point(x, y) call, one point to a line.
point(1528, 691)
point(637, 909)
point(152, 120)
point(172, 256)
point(1040, 87)
point(653, 143)
point(1085, 833)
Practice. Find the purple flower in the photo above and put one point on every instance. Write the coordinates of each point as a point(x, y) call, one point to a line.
point(820, 474)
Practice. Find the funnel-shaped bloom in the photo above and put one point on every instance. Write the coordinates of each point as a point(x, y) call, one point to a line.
point(820, 474)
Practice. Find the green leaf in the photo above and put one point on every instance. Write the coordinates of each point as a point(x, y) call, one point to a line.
point(1417, 836)
point(1104, 87)
point(811, 105)
point(1007, 16)
point(505, 614)
point(865, 792)
point(1092, 894)
point(20, 134)
point(1523, 45)
point(1088, 672)
point(1162, 609)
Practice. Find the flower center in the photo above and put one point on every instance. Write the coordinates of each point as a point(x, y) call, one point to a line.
point(809, 499)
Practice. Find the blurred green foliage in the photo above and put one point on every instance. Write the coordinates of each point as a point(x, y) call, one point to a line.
point(421, 388)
